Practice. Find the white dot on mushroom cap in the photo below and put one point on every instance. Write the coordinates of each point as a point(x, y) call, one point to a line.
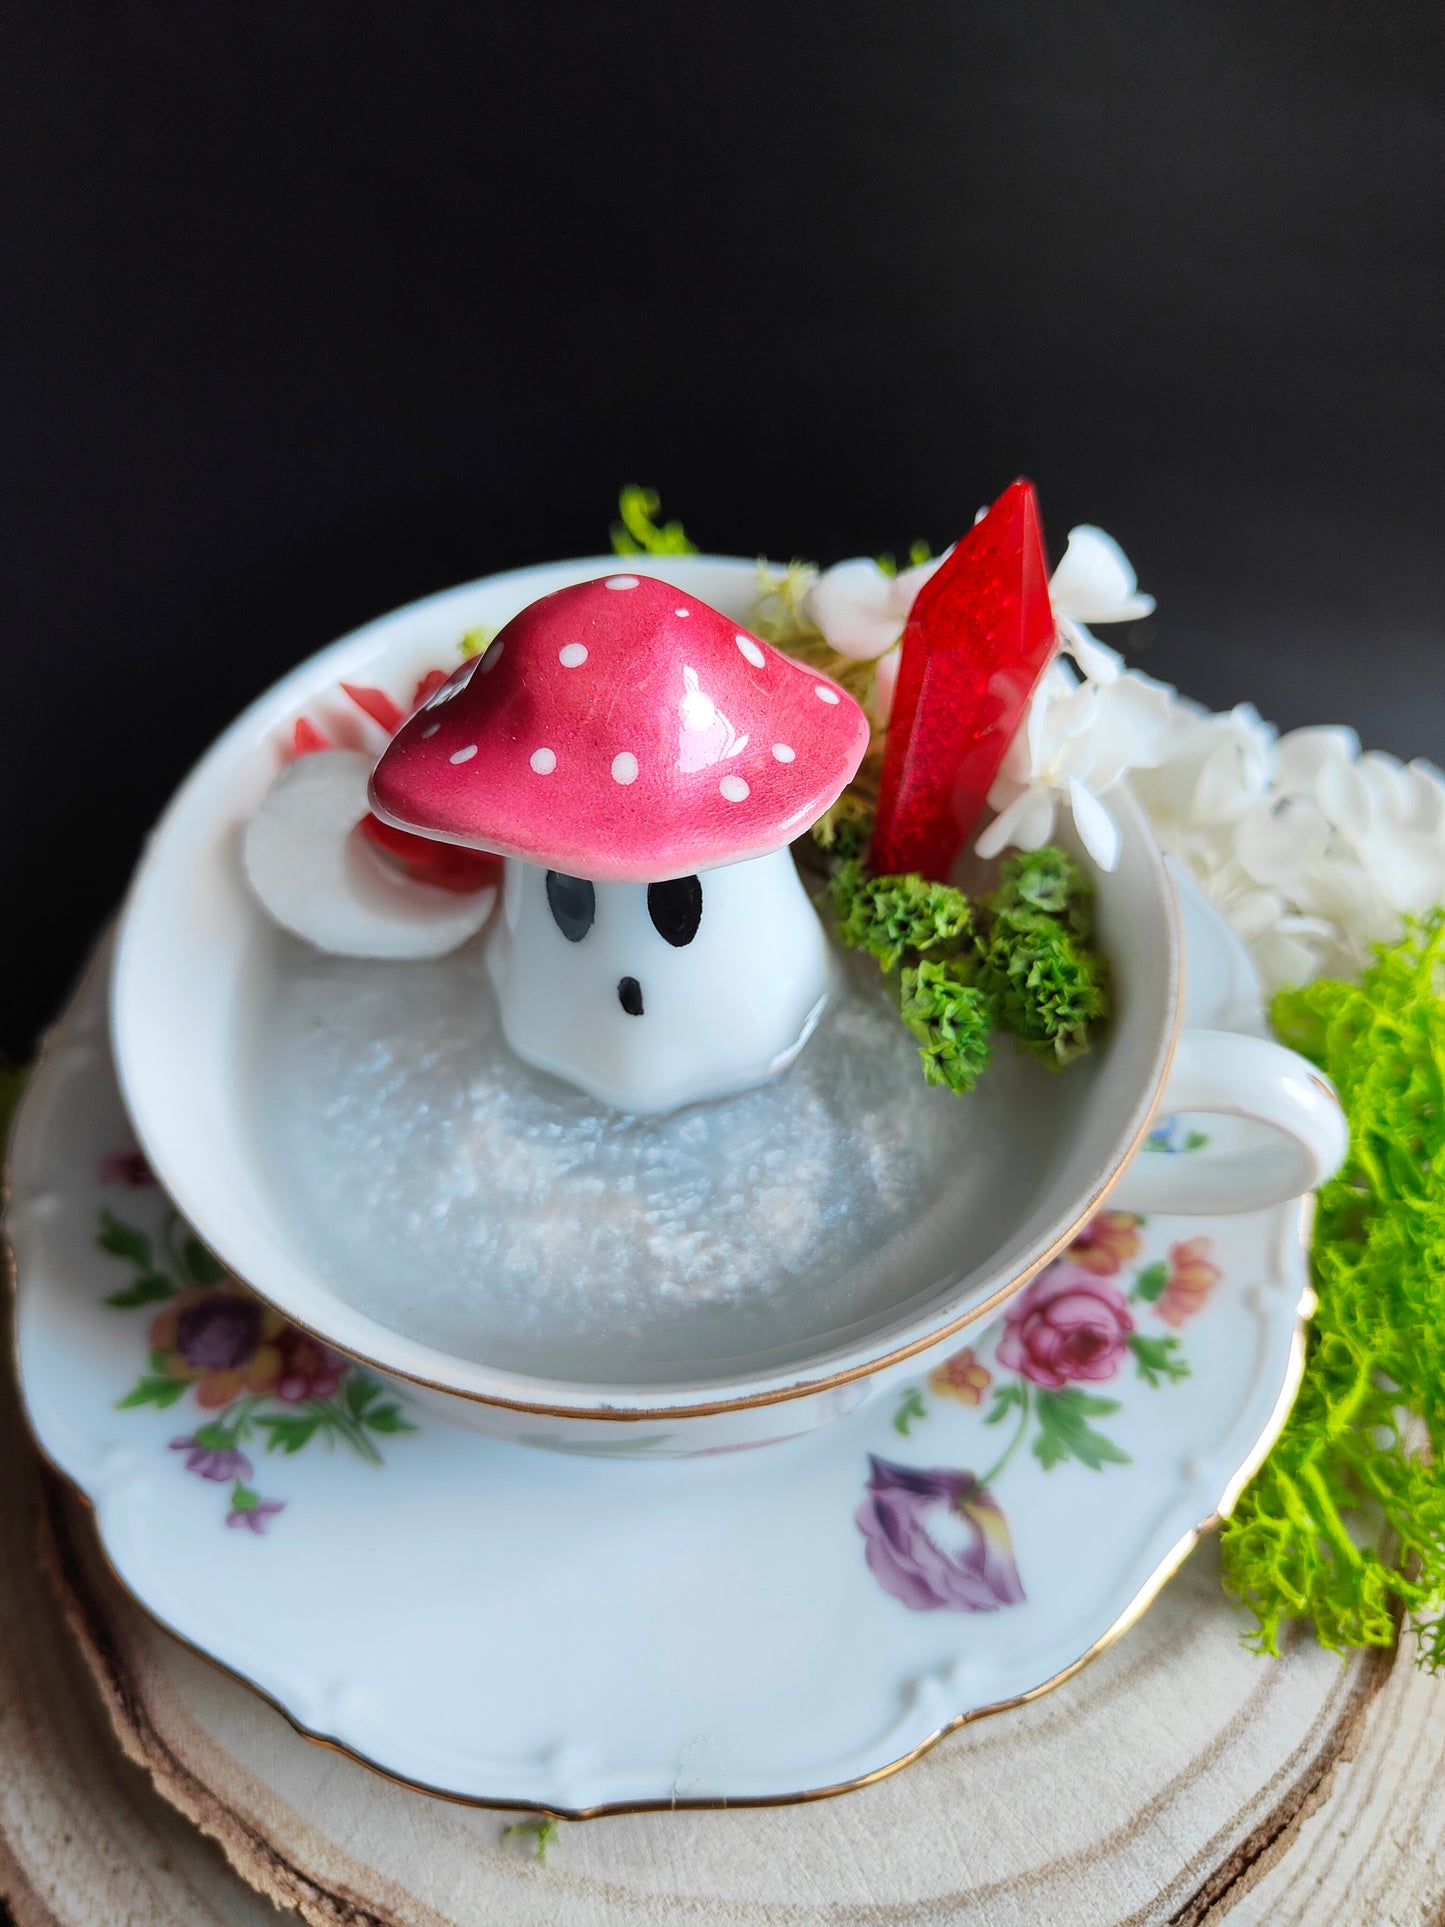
point(734, 789)
point(492, 658)
point(624, 767)
point(784, 752)
point(824, 693)
point(620, 582)
point(464, 755)
point(750, 649)
point(431, 729)
point(544, 761)
point(682, 612)
point(572, 655)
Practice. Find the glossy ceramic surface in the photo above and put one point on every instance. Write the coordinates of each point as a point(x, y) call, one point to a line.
point(650, 996)
point(624, 730)
point(519, 1627)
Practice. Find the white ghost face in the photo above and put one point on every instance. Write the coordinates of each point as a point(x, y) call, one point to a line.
point(653, 995)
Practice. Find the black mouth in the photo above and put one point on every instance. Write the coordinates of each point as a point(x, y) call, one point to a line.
point(629, 995)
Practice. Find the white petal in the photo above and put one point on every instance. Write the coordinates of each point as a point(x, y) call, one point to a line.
point(1002, 791)
point(1038, 736)
point(1277, 841)
point(906, 584)
point(1095, 582)
point(1097, 829)
point(1234, 776)
point(1286, 962)
point(850, 603)
point(1098, 662)
point(1406, 868)
point(1344, 796)
point(1026, 823)
point(1388, 782)
point(1127, 731)
point(1252, 912)
point(1341, 888)
point(1428, 787)
point(1303, 755)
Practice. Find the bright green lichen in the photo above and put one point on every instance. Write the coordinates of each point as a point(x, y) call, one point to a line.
point(1345, 1523)
point(917, 552)
point(639, 532)
point(542, 1832)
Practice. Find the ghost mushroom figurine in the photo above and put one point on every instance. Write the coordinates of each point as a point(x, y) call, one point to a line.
point(643, 764)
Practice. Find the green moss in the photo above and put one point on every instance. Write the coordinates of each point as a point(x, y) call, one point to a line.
point(1048, 988)
point(1046, 881)
point(951, 1018)
point(542, 1832)
point(1017, 961)
point(1344, 1525)
point(640, 533)
point(890, 916)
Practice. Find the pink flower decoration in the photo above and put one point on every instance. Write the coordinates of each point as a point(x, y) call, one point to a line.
point(1067, 1326)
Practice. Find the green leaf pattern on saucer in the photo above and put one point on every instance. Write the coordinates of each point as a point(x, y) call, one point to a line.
point(256, 1380)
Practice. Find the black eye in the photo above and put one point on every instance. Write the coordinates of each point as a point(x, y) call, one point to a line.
point(573, 903)
point(675, 909)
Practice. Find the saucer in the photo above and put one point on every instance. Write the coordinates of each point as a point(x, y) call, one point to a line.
point(523, 1628)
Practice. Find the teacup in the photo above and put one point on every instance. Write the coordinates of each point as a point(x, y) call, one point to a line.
point(196, 961)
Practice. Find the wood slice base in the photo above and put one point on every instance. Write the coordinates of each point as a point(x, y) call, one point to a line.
point(1177, 1779)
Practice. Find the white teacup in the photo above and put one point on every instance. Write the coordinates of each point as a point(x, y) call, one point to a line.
point(195, 956)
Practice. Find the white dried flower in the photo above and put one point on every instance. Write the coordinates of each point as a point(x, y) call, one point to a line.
point(1094, 582)
point(1077, 741)
point(861, 610)
point(1313, 851)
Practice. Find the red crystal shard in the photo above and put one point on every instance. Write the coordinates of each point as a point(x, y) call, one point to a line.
point(980, 635)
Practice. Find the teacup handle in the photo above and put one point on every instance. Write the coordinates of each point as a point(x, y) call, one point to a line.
point(1227, 1073)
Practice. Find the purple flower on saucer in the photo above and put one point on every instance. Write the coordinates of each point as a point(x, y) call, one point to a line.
point(257, 1515)
point(937, 1539)
point(212, 1461)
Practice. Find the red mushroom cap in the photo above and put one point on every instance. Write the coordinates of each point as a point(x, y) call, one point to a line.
point(624, 731)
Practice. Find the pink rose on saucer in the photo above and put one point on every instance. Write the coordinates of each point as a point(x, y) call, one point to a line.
point(1067, 1326)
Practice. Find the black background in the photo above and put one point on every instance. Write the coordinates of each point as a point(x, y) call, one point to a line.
point(313, 307)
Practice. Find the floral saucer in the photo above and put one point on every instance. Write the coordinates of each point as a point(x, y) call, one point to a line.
point(522, 1628)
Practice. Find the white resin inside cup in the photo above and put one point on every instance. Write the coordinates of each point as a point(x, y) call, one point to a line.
point(490, 1210)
